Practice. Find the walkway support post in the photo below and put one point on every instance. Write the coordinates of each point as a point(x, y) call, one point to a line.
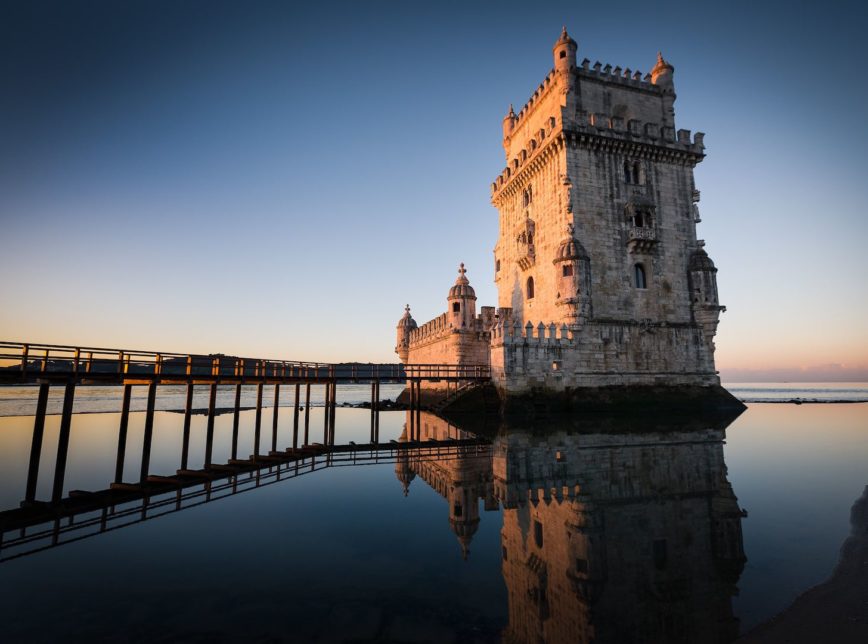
point(36, 442)
point(149, 432)
point(122, 434)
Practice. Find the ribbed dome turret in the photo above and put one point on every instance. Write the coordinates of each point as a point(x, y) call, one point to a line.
point(462, 288)
point(407, 322)
point(700, 261)
point(570, 248)
point(662, 73)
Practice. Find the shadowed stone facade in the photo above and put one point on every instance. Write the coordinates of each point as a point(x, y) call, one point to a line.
point(601, 278)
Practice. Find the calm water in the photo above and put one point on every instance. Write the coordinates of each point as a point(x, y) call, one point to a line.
point(622, 533)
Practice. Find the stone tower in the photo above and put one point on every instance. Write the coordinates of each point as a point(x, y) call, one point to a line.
point(601, 278)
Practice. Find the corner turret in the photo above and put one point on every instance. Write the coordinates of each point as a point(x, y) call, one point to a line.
point(462, 302)
point(662, 73)
point(702, 276)
point(565, 52)
point(405, 325)
point(573, 278)
point(508, 126)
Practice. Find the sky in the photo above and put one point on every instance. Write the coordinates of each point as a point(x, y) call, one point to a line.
point(277, 180)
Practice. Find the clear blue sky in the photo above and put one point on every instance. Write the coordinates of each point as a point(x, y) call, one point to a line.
point(275, 180)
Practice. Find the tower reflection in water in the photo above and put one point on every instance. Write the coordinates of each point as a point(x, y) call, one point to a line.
point(609, 534)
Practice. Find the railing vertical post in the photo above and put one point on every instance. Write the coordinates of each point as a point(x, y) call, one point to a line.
point(149, 432)
point(75, 360)
point(295, 417)
point(63, 442)
point(36, 442)
point(45, 362)
point(25, 350)
point(209, 435)
point(258, 426)
point(122, 434)
point(89, 362)
point(274, 418)
point(235, 418)
point(188, 411)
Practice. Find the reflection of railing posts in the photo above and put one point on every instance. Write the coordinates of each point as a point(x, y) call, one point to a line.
point(122, 434)
point(149, 432)
point(236, 417)
point(295, 417)
point(274, 417)
point(257, 428)
point(306, 414)
point(185, 441)
point(36, 443)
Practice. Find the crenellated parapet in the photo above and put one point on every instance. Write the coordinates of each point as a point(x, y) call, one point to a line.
point(431, 330)
point(600, 131)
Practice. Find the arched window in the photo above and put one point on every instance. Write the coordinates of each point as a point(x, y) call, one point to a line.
point(628, 173)
point(497, 266)
point(639, 272)
point(530, 288)
point(637, 177)
point(563, 54)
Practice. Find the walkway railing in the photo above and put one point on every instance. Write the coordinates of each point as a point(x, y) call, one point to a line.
point(33, 362)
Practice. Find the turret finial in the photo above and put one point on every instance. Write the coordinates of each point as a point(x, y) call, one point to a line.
point(461, 269)
point(570, 228)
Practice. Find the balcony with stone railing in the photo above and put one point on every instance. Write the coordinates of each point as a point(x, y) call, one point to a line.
point(641, 239)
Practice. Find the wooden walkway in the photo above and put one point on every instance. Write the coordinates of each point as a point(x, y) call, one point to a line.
point(68, 366)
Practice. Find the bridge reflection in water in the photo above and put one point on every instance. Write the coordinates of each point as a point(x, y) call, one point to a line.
point(610, 532)
point(608, 536)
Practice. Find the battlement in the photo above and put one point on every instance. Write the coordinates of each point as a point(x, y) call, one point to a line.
point(512, 332)
point(547, 83)
point(609, 74)
point(431, 330)
point(616, 129)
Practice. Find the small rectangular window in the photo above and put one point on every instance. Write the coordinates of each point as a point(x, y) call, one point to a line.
point(568, 270)
point(503, 549)
point(581, 565)
point(456, 307)
point(457, 510)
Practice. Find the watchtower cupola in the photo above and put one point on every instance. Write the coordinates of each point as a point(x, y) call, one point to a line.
point(662, 74)
point(565, 52)
point(462, 301)
point(405, 326)
point(573, 277)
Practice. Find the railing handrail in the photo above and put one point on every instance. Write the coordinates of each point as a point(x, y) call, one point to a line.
point(83, 357)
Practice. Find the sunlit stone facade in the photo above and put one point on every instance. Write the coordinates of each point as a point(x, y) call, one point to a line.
point(601, 278)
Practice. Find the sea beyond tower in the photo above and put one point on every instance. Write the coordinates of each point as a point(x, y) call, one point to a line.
point(603, 286)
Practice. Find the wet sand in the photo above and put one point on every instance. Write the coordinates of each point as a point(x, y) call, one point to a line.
point(836, 610)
